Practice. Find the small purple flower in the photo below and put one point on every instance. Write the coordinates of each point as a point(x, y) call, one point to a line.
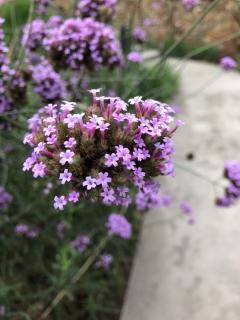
point(108, 196)
point(90, 183)
point(21, 229)
point(166, 200)
point(123, 153)
point(67, 106)
point(71, 121)
point(130, 165)
point(5, 198)
point(49, 130)
point(189, 5)
point(139, 141)
point(186, 208)
point(103, 126)
point(52, 139)
point(104, 261)
point(118, 225)
point(40, 147)
point(28, 139)
point(228, 63)
point(66, 157)
point(141, 154)
point(59, 202)
point(139, 34)
point(80, 243)
point(27, 231)
point(39, 170)
point(70, 143)
point(73, 196)
point(135, 57)
point(111, 160)
point(188, 211)
point(103, 179)
point(65, 176)
point(138, 172)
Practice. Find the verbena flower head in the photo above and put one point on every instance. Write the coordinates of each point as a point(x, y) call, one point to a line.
point(100, 10)
point(228, 63)
point(139, 34)
point(5, 199)
point(27, 231)
point(135, 57)
point(101, 153)
point(47, 82)
point(80, 243)
point(104, 261)
point(35, 32)
point(80, 43)
point(12, 84)
point(119, 226)
point(42, 6)
point(232, 192)
point(189, 5)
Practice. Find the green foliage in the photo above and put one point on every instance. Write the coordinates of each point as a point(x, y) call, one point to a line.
point(15, 13)
point(127, 82)
point(185, 48)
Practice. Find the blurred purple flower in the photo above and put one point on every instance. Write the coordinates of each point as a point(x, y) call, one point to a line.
point(118, 225)
point(228, 63)
point(80, 243)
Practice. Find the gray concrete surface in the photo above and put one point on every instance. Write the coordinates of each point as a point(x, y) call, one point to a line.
point(184, 272)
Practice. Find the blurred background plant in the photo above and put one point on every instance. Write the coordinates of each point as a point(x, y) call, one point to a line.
point(66, 267)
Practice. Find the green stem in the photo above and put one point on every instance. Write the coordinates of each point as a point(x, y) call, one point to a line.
point(165, 55)
point(61, 294)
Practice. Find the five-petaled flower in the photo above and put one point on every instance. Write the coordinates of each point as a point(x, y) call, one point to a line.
point(65, 176)
point(59, 202)
point(66, 157)
point(90, 183)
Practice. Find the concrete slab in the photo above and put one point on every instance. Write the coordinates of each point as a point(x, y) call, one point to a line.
point(184, 272)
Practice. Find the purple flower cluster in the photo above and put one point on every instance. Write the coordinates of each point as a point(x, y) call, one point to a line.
point(80, 43)
point(27, 231)
point(47, 82)
point(42, 6)
point(228, 63)
point(139, 34)
point(149, 196)
point(100, 10)
point(104, 261)
point(80, 243)
point(119, 226)
point(5, 199)
point(232, 192)
point(35, 32)
point(12, 84)
point(135, 57)
point(189, 5)
point(103, 152)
